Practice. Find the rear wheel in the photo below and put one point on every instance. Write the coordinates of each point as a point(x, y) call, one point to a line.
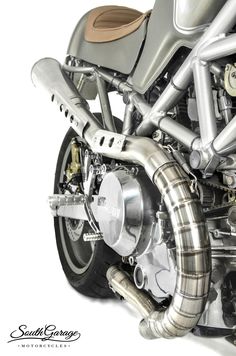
point(84, 263)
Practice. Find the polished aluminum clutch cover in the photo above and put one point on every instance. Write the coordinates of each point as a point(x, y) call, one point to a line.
point(120, 211)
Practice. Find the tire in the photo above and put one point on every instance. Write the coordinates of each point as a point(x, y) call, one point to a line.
point(84, 263)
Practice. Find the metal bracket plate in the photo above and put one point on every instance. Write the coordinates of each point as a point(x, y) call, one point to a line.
point(110, 142)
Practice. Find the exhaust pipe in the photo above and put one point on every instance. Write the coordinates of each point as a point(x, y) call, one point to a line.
point(120, 282)
point(48, 74)
point(193, 255)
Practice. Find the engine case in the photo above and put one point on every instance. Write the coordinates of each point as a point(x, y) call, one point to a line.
point(127, 215)
point(127, 211)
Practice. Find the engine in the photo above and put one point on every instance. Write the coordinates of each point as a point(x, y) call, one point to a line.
point(137, 226)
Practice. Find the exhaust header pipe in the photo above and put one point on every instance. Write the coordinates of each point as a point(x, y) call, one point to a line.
point(193, 256)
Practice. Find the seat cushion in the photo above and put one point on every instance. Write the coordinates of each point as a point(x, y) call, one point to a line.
point(109, 23)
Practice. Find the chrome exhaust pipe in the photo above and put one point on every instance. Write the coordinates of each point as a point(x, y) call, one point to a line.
point(193, 257)
point(193, 254)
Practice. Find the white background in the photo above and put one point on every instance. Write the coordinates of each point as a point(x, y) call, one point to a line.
point(34, 290)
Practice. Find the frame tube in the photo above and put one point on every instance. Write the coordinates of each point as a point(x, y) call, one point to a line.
point(127, 124)
point(183, 135)
point(221, 48)
point(225, 142)
point(108, 120)
point(205, 108)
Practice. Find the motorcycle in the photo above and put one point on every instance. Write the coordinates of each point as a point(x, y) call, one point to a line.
point(145, 207)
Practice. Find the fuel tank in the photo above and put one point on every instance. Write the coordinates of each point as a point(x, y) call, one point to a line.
point(173, 24)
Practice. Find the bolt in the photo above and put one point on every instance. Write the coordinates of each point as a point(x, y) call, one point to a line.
point(157, 135)
point(124, 259)
point(229, 180)
point(195, 159)
point(101, 201)
point(103, 169)
point(81, 200)
point(131, 260)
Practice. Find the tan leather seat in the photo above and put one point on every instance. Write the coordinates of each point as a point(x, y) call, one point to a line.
point(109, 23)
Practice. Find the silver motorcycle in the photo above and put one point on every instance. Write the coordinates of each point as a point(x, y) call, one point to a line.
point(145, 207)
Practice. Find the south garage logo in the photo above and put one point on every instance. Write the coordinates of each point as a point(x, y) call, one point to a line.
point(48, 336)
